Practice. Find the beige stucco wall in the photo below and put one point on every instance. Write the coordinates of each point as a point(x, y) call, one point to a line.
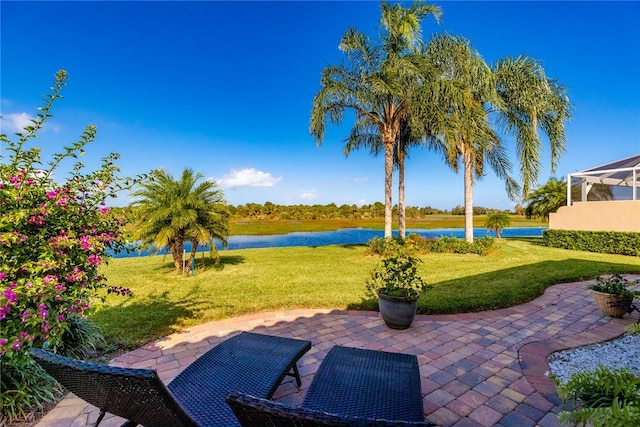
point(598, 216)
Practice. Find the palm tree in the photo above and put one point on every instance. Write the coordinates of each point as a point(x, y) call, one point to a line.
point(497, 221)
point(553, 195)
point(172, 212)
point(464, 85)
point(378, 83)
point(515, 96)
point(530, 102)
point(546, 199)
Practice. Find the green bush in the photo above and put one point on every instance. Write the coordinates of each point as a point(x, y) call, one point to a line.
point(416, 244)
point(384, 246)
point(608, 242)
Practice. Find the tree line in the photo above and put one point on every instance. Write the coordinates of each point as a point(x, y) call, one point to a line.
point(330, 211)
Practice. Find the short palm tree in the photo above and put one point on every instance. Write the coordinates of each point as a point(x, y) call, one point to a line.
point(378, 83)
point(174, 211)
point(553, 195)
point(497, 222)
point(546, 199)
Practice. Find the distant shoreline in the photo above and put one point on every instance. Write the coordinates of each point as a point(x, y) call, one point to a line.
point(345, 236)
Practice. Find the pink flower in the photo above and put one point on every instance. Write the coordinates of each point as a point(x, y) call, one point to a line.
point(84, 242)
point(48, 279)
point(10, 295)
point(94, 259)
point(3, 275)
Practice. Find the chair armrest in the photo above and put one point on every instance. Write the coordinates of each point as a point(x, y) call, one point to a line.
point(256, 412)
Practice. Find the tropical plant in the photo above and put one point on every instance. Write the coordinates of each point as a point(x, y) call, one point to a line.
point(54, 237)
point(174, 211)
point(553, 195)
point(497, 221)
point(378, 83)
point(514, 96)
point(397, 275)
point(602, 398)
point(547, 199)
point(464, 86)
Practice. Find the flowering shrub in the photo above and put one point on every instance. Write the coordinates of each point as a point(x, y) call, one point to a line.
point(53, 238)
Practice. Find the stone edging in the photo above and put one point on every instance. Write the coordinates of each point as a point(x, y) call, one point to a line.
point(533, 357)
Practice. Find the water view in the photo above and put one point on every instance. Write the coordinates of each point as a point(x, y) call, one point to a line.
point(345, 236)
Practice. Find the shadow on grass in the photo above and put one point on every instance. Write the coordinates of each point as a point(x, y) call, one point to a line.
point(505, 288)
point(149, 319)
point(209, 262)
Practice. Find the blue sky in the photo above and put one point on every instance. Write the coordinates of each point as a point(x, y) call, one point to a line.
point(226, 88)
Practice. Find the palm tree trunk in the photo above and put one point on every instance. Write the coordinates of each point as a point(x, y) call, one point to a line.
point(176, 253)
point(401, 208)
point(388, 181)
point(467, 158)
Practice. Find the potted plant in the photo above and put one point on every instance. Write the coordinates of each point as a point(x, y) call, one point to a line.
point(397, 284)
point(612, 294)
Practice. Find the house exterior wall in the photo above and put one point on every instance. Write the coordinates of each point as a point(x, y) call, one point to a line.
point(598, 216)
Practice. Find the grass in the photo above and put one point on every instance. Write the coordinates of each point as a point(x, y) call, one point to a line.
point(262, 227)
point(262, 280)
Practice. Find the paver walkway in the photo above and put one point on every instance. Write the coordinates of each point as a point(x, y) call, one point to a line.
point(477, 369)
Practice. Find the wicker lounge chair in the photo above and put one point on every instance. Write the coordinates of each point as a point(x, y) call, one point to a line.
point(248, 362)
point(353, 387)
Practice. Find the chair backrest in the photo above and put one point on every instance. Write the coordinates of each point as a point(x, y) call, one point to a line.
point(252, 411)
point(135, 394)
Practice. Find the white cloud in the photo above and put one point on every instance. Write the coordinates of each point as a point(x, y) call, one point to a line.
point(15, 122)
point(248, 177)
point(309, 195)
point(360, 180)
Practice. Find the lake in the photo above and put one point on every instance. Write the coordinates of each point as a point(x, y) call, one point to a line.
point(345, 236)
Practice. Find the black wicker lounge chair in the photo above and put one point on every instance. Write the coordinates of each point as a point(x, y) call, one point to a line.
point(248, 362)
point(353, 387)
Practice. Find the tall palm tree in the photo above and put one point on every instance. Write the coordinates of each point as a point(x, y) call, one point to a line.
point(174, 211)
point(463, 86)
point(531, 102)
point(378, 83)
point(514, 96)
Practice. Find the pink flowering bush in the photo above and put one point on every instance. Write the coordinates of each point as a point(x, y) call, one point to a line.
point(53, 239)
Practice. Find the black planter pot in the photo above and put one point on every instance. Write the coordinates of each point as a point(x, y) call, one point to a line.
point(397, 312)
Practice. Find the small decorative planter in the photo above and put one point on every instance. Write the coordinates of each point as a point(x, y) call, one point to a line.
point(397, 312)
point(611, 304)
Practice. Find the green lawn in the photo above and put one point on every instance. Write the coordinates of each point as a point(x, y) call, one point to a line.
point(262, 280)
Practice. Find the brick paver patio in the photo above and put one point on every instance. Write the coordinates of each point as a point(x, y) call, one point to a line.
point(477, 369)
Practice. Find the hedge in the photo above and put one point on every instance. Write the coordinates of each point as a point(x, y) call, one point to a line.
point(609, 242)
